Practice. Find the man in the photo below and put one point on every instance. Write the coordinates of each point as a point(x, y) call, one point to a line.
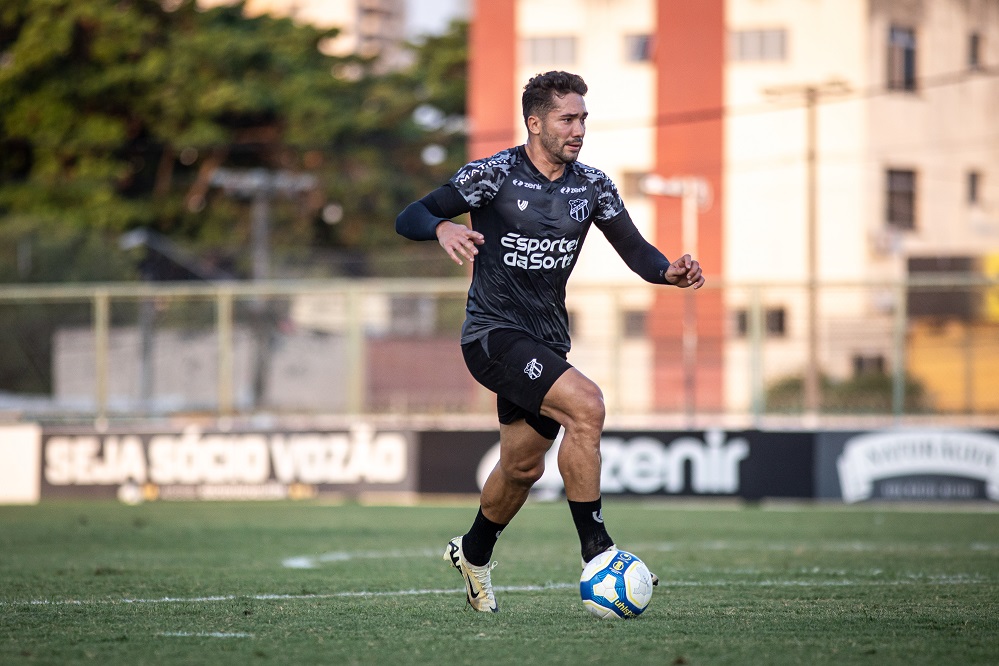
point(531, 207)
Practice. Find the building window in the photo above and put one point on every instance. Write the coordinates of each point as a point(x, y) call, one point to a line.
point(936, 303)
point(774, 322)
point(864, 365)
point(549, 50)
point(774, 319)
point(974, 187)
point(901, 199)
point(974, 51)
point(633, 323)
point(901, 58)
point(637, 48)
point(758, 45)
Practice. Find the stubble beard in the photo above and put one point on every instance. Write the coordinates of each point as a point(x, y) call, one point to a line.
point(557, 148)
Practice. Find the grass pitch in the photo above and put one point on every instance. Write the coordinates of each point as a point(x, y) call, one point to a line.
point(185, 583)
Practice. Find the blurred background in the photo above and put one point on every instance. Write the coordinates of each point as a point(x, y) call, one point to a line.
point(197, 204)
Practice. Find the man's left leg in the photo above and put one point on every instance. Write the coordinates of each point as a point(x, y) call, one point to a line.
point(578, 404)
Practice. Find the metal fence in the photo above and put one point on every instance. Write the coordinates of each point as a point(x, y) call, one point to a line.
point(924, 349)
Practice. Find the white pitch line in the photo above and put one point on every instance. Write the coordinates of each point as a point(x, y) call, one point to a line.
point(209, 634)
point(313, 561)
point(281, 597)
point(958, 579)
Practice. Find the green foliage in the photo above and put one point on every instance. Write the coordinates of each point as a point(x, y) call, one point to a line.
point(866, 393)
point(114, 115)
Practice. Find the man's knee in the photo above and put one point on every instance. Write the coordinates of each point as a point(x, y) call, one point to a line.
point(588, 410)
point(576, 402)
point(524, 473)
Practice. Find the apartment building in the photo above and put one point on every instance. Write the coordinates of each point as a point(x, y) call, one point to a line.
point(370, 28)
point(832, 141)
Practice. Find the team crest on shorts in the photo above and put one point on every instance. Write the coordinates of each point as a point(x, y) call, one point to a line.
point(579, 209)
point(533, 369)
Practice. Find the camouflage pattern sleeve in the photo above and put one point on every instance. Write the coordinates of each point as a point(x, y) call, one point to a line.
point(479, 181)
point(609, 203)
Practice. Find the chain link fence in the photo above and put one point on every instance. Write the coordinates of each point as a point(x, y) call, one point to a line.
point(915, 351)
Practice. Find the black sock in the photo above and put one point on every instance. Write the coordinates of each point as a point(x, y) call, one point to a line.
point(477, 545)
point(589, 520)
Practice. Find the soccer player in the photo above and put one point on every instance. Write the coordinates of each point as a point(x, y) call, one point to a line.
point(531, 208)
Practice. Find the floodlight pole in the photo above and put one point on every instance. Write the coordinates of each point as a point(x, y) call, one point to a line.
point(260, 186)
point(694, 195)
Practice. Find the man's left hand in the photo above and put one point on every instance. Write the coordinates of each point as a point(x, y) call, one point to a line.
point(685, 272)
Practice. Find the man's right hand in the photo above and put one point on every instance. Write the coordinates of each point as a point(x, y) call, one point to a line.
point(459, 241)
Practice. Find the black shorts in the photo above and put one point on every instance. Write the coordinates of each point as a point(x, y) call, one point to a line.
point(520, 371)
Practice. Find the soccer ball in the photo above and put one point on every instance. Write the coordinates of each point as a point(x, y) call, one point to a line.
point(616, 584)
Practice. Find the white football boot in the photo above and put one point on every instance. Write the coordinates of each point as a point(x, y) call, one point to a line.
point(655, 578)
point(478, 583)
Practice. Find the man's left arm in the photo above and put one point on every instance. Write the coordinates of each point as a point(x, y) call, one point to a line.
point(645, 259)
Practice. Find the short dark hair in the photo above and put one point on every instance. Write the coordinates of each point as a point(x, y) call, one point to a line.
point(541, 90)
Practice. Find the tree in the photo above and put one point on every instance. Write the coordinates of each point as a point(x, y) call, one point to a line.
point(114, 115)
point(412, 140)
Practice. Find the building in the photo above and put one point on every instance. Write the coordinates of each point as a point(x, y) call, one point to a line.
point(840, 141)
point(369, 28)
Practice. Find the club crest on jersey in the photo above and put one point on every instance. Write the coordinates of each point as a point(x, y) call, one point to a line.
point(533, 369)
point(522, 204)
point(579, 209)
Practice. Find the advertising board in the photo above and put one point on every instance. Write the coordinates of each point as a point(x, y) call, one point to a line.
point(38, 463)
point(204, 465)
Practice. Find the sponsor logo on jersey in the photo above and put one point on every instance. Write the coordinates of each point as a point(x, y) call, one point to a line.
point(579, 209)
point(523, 183)
point(572, 190)
point(522, 204)
point(533, 369)
point(538, 253)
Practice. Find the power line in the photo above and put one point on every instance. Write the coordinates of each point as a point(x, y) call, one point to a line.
point(708, 114)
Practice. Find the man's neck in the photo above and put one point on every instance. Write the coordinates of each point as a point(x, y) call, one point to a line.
point(542, 162)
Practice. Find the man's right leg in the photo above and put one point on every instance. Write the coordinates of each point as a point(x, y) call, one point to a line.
point(520, 371)
point(521, 464)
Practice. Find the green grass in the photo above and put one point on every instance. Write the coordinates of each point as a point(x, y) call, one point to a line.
point(151, 584)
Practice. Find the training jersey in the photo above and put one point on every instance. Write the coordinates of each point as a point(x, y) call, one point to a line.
point(534, 229)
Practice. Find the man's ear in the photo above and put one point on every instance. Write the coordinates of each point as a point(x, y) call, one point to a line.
point(534, 125)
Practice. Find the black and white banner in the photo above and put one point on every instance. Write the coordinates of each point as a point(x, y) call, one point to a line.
point(37, 463)
point(909, 465)
point(210, 465)
point(750, 464)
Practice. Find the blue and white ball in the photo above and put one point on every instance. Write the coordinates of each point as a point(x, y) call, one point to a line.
point(616, 584)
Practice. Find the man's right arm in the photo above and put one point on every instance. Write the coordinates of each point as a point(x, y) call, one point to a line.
point(420, 219)
point(430, 219)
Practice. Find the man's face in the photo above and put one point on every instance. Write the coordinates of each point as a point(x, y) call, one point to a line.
point(563, 128)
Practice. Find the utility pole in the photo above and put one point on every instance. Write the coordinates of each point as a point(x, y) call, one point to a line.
point(812, 94)
point(695, 195)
